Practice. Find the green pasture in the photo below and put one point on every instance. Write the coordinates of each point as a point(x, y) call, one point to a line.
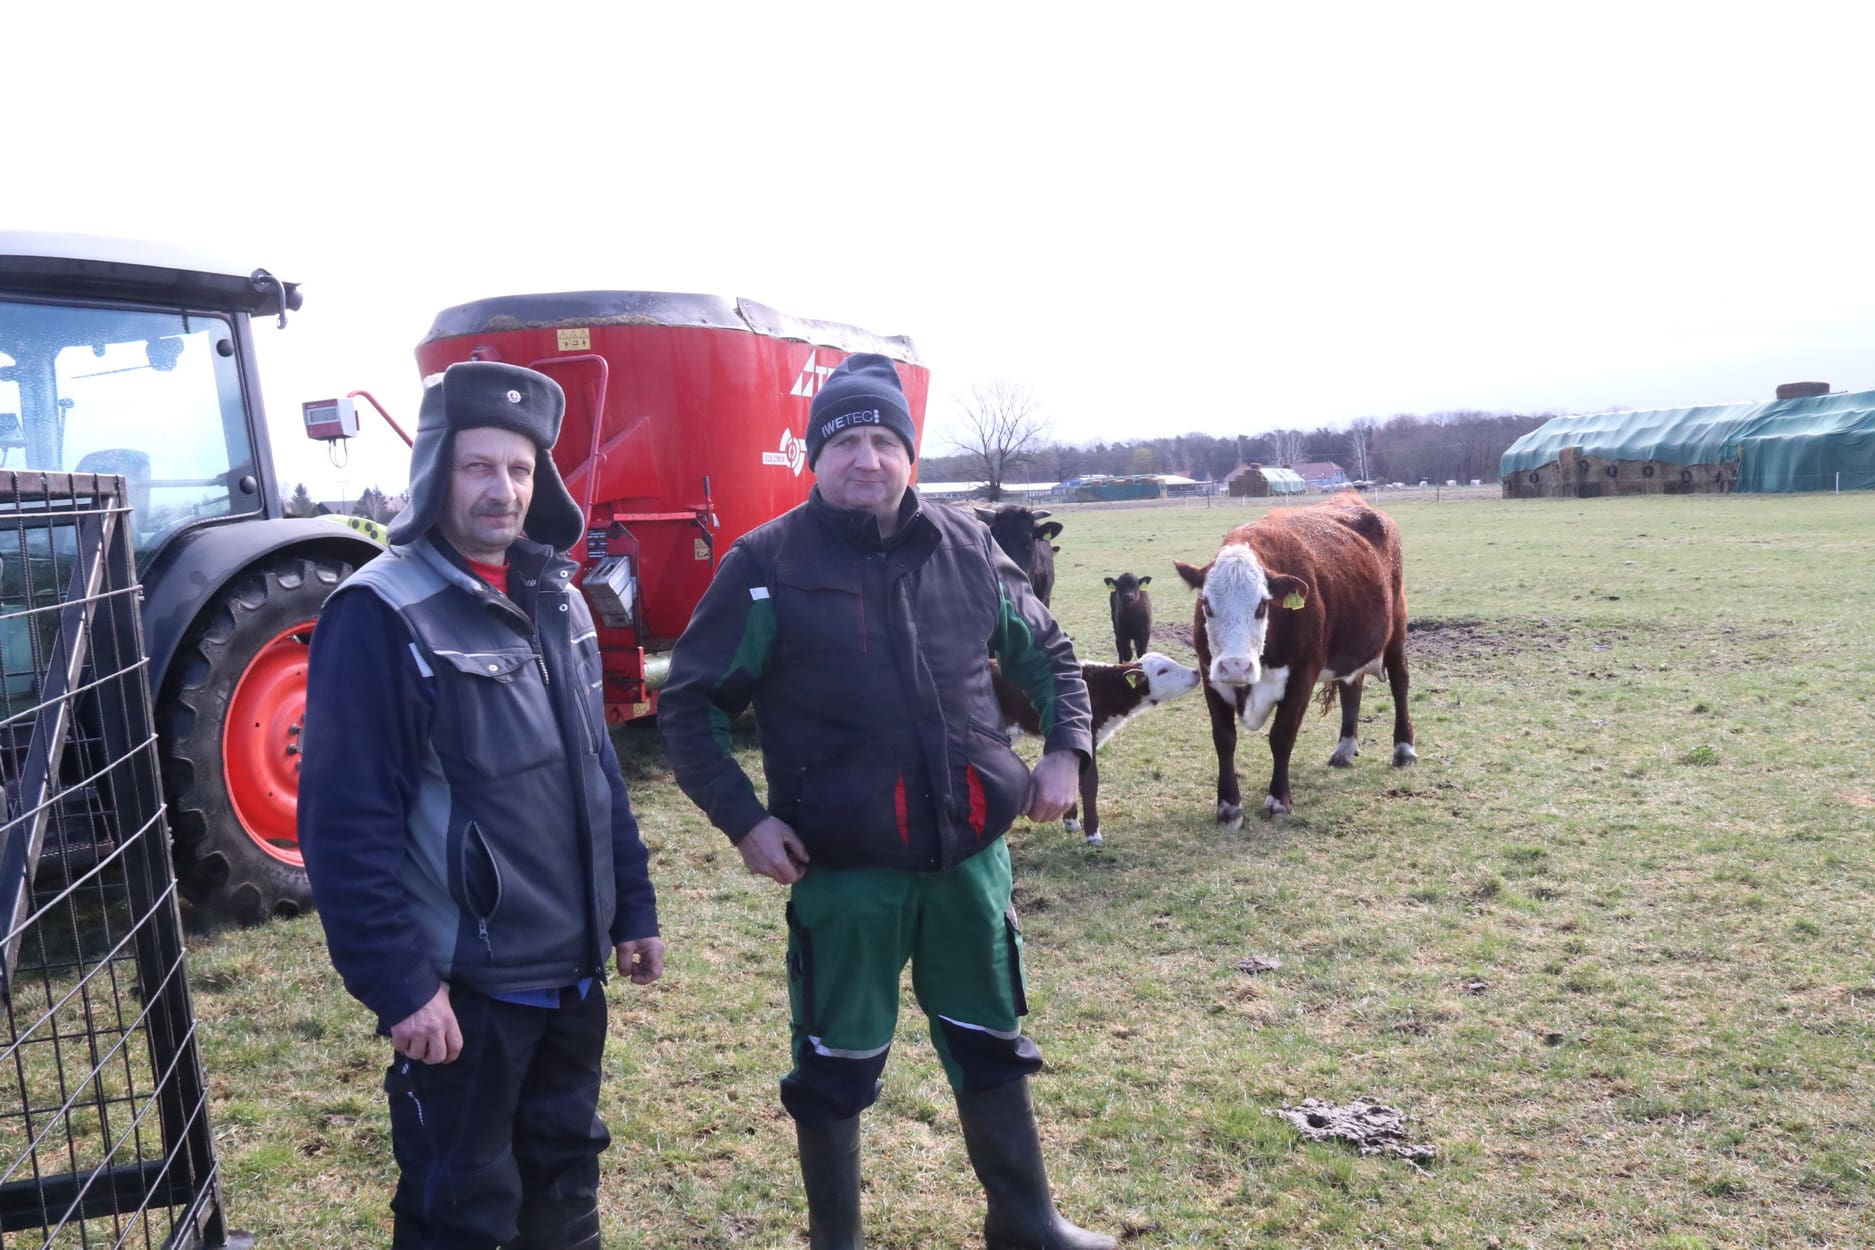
point(1609, 946)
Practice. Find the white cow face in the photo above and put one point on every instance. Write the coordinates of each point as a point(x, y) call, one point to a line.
point(1237, 596)
point(1166, 678)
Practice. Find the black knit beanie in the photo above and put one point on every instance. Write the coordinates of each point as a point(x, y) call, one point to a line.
point(864, 390)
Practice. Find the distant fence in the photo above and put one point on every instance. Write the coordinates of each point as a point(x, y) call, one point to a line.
point(1380, 497)
point(104, 1130)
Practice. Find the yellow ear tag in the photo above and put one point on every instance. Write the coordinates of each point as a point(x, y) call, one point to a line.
point(1135, 679)
point(1293, 601)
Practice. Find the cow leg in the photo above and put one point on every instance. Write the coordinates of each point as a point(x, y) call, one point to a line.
point(1224, 738)
point(1403, 752)
point(1090, 792)
point(1283, 732)
point(1121, 642)
point(1349, 746)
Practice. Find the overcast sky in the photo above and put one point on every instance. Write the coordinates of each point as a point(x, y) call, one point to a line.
point(1225, 218)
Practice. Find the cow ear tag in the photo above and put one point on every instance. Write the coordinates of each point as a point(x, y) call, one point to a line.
point(1293, 601)
point(1135, 679)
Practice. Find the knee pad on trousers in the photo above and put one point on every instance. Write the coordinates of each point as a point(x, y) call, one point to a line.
point(985, 1060)
point(827, 1087)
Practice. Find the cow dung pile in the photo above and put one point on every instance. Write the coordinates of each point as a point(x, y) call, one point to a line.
point(1372, 1128)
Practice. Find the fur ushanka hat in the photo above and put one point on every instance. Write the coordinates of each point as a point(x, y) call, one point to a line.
point(475, 393)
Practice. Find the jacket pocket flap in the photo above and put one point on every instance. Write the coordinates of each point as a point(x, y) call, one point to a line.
point(804, 576)
point(487, 663)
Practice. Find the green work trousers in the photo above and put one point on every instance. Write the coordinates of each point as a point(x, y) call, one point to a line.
point(850, 933)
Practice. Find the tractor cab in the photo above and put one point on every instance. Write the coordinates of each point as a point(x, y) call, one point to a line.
point(153, 396)
point(126, 359)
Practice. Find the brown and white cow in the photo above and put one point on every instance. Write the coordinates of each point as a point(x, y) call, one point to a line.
point(1117, 692)
point(1296, 597)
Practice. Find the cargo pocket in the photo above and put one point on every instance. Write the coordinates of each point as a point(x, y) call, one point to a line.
point(1012, 933)
point(801, 973)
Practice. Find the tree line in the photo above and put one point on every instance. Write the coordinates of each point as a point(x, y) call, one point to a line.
point(372, 504)
point(1407, 447)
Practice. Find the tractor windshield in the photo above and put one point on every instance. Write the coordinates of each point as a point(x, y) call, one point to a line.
point(154, 396)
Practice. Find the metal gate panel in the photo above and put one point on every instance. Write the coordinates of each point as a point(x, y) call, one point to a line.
point(104, 1128)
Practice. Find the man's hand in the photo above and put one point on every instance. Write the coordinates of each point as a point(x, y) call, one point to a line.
point(641, 959)
point(772, 850)
point(430, 1034)
point(1054, 786)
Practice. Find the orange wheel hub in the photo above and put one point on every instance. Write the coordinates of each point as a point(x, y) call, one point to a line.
point(260, 743)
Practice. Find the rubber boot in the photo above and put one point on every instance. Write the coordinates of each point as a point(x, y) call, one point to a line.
point(830, 1173)
point(558, 1230)
point(999, 1130)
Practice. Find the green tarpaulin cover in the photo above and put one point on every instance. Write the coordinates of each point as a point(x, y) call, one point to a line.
point(1285, 481)
point(1785, 445)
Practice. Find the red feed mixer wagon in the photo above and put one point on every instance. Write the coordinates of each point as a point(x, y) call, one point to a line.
point(685, 421)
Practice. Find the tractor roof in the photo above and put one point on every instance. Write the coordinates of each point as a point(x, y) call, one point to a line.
point(94, 267)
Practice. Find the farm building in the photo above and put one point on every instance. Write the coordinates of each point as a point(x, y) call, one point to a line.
point(1259, 481)
point(1812, 441)
point(1108, 489)
point(1323, 475)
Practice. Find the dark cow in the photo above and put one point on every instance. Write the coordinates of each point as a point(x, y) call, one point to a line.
point(1117, 692)
point(1018, 532)
point(1296, 597)
point(1131, 609)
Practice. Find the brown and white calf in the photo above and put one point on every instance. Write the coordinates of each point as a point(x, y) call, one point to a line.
point(1130, 605)
point(1296, 597)
point(1117, 692)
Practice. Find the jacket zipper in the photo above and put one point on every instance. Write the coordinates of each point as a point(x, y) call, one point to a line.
point(472, 835)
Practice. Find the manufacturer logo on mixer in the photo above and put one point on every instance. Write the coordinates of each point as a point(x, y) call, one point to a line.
point(793, 453)
point(813, 373)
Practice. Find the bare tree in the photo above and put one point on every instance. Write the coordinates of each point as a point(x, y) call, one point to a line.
point(1360, 447)
point(1289, 447)
point(1003, 431)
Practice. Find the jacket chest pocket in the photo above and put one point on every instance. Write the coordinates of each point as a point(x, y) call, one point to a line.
point(499, 715)
point(821, 612)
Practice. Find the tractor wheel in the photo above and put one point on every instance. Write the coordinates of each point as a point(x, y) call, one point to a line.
point(229, 723)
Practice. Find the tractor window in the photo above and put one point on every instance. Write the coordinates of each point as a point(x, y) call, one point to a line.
point(155, 397)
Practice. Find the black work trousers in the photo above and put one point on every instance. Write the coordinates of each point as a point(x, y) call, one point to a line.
point(503, 1144)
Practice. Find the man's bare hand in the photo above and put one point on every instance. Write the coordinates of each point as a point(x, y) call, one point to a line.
point(772, 850)
point(641, 959)
point(430, 1034)
point(1054, 786)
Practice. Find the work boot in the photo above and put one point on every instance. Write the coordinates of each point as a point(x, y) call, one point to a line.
point(556, 1228)
point(999, 1130)
point(830, 1173)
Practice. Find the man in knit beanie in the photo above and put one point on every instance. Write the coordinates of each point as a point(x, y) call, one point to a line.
point(860, 627)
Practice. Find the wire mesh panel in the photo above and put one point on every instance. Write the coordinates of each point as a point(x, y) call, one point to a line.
point(104, 1132)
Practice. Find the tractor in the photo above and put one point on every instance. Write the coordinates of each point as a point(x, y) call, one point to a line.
point(128, 359)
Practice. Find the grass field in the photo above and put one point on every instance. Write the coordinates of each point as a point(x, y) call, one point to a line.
point(1609, 946)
